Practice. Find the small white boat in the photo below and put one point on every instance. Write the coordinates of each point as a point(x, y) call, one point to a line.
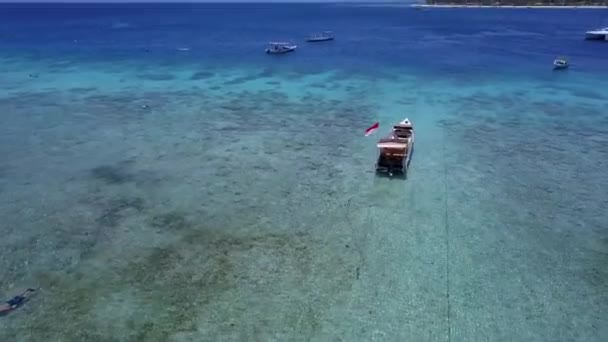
point(280, 48)
point(599, 34)
point(395, 150)
point(320, 37)
point(560, 63)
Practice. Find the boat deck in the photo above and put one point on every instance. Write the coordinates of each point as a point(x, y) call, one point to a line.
point(395, 151)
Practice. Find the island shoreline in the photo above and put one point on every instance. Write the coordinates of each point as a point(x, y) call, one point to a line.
point(508, 6)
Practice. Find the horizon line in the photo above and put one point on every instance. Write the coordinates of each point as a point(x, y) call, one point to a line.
point(206, 1)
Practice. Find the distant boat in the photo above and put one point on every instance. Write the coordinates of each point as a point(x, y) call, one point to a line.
point(320, 37)
point(277, 48)
point(599, 34)
point(560, 63)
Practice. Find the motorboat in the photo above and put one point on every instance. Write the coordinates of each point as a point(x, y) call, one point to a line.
point(560, 63)
point(320, 37)
point(276, 48)
point(395, 150)
point(599, 34)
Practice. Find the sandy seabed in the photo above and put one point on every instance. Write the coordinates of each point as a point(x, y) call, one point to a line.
point(201, 204)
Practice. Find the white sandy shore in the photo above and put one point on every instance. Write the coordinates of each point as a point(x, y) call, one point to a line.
point(509, 6)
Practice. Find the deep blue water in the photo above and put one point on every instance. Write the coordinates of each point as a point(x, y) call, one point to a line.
point(368, 38)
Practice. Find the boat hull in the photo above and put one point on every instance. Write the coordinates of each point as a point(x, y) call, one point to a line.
point(280, 52)
point(595, 36)
point(392, 167)
point(316, 40)
point(560, 65)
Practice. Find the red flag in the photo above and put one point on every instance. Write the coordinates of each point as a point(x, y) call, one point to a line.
point(372, 129)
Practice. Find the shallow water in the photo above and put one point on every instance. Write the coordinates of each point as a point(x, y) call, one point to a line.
point(222, 194)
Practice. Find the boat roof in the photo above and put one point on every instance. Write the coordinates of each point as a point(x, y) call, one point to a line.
point(278, 43)
point(391, 144)
point(599, 31)
point(323, 34)
point(404, 124)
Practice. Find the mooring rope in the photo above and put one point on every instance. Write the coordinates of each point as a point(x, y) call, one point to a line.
point(447, 239)
point(360, 242)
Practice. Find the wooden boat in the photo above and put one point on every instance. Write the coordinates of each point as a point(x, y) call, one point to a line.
point(560, 63)
point(320, 37)
point(395, 150)
point(280, 48)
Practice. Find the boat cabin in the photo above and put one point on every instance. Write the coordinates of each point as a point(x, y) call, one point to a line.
point(403, 130)
point(319, 37)
point(599, 34)
point(279, 47)
point(394, 150)
point(560, 63)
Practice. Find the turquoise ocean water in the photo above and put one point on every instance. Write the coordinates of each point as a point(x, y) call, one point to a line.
point(162, 179)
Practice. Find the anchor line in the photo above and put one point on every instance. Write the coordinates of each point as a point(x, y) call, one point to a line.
point(447, 240)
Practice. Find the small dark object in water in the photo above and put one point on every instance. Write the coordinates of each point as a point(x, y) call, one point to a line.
point(560, 63)
point(347, 246)
point(321, 37)
point(16, 302)
point(145, 106)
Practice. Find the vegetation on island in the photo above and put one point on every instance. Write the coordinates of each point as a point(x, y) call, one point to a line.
point(519, 2)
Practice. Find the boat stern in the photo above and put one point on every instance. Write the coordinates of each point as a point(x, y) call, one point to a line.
point(391, 164)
